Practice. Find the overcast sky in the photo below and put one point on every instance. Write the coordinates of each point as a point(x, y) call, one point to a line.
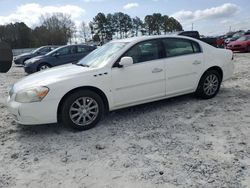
point(208, 16)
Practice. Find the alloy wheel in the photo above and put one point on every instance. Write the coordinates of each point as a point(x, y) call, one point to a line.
point(211, 84)
point(83, 111)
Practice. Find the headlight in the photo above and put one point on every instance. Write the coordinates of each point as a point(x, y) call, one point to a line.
point(35, 94)
point(30, 61)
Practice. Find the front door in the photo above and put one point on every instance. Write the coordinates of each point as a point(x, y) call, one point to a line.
point(142, 81)
point(66, 55)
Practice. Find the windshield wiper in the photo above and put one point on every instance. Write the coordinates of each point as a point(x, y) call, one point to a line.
point(82, 65)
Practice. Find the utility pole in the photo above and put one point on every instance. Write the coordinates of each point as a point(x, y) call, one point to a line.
point(192, 26)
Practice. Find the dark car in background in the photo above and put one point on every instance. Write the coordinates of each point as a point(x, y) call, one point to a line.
point(20, 59)
point(60, 56)
point(195, 34)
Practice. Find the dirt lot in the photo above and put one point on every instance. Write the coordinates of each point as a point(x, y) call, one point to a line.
point(180, 142)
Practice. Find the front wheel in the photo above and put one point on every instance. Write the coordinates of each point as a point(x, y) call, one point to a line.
point(82, 110)
point(248, 49)
point(209, 84)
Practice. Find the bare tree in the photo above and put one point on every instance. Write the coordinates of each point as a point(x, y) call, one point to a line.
point(84, 30)
point(60, 27)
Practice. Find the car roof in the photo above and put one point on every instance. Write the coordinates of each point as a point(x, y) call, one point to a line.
point(142, 38)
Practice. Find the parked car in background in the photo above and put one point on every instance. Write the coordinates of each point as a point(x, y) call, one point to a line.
point(20, 59)
point(120, 74)
point(242, 44)
point(60, 56)
point(247, 32)
point(234, 37)
point(195, 34)
point(220, 40)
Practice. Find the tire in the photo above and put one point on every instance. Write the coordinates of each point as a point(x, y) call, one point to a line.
point(43, 66)
point(248, 49)
point(209, 85)
point(79, 116)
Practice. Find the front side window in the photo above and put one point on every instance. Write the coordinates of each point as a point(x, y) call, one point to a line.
point(177, 47)
point(144, 51)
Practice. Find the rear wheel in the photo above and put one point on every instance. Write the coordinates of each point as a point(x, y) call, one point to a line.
point(43, 66)
point(209, 84)
point(82, 110)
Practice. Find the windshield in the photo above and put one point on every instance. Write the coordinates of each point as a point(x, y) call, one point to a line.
point(102, 55)
point(236, 35)
point(37, 50)
point(244, 38)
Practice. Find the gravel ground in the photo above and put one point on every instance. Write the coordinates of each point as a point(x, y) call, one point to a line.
point(179, 142)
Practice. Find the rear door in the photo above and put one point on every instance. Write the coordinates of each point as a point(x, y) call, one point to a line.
point(184, 65)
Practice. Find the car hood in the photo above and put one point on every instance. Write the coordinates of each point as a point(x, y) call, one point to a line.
point(237, 42)
point(23, 55)
point(47, 77)
point(40, 57)
point(34, 59)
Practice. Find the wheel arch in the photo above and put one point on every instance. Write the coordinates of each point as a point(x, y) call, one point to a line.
point(217, 68)
point(45, 63)
point(91, 88)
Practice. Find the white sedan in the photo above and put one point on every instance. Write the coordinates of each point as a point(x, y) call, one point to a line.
point(120, 74)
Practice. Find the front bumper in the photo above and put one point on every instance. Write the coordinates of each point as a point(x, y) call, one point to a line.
point(36, 113)
point(29, 69)
point(18, 61)
point(240, 48)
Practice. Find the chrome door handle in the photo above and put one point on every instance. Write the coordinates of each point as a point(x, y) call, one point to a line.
point(155, 70)
point(196, 62)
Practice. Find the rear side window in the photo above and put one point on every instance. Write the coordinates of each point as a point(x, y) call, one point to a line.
point(178, 47)
point(196, 46)
point(67, 50)
point(82, 49)
point(144, 51)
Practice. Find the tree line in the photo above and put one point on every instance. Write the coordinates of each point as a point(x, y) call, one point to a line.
point(120, 25)
point(60, 29)
point(55, 29)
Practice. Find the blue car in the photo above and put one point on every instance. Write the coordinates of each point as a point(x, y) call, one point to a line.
point(60, 56)
point(20, 59)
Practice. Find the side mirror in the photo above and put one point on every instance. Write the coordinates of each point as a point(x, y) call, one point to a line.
point(126, 61)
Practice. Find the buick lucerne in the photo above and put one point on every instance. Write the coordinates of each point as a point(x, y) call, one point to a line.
point(120, 74)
